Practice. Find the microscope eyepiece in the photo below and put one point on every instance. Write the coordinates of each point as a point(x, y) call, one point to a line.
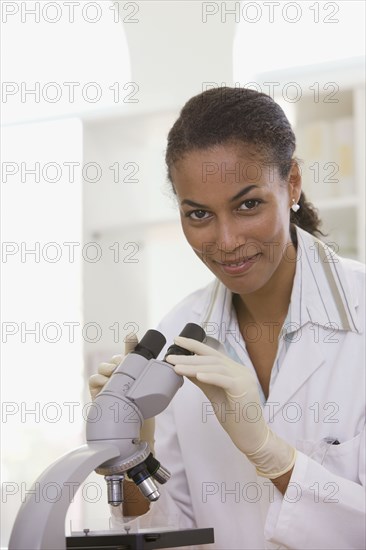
point(151, 344)
point(191, 330)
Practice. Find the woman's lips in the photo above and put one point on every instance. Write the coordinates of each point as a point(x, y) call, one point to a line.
point(237, 268)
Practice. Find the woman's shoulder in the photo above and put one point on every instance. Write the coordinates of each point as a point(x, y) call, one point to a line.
point(354, 270)
point(355, 273)
point(349, 276)
point(353, 267)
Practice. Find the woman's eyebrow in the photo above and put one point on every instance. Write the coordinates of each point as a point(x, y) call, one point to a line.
point(244, 192)
point(234, 198)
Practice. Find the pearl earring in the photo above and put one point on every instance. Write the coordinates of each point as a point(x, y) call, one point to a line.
point(295, 207)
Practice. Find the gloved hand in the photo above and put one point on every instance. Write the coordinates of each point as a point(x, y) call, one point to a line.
point(105, 370)
point(232, 390)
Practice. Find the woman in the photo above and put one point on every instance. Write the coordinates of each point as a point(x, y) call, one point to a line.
point(266, 443)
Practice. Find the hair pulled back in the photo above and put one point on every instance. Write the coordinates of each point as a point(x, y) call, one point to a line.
point(226, 115)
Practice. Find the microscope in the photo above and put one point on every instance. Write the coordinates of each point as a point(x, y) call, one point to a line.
point(140, 387)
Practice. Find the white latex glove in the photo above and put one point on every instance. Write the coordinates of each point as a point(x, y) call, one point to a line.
point(105, 370)
point(232, 390)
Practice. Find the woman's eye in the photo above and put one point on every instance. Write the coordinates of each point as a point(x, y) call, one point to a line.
point(197, 215)
point(249, 204)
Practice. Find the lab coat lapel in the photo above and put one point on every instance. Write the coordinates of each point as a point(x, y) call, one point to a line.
point(296, 369)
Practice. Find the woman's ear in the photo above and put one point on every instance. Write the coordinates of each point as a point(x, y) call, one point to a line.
point(295, 181)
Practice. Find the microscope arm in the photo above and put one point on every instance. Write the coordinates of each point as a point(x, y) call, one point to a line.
point(140, 388)
point(40, 523)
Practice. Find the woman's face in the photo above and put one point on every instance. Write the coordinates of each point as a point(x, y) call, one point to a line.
point(235, 214)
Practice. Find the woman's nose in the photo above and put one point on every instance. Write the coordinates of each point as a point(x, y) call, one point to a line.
point(230, 237)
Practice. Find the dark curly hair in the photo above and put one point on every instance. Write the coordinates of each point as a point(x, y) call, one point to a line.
point(226, 115)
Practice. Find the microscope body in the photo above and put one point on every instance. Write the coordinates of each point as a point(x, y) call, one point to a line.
point(141, 387)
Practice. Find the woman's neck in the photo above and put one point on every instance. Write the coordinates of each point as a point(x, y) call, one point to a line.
point(270, 303)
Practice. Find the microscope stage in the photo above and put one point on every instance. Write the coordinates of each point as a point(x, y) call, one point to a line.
point(139, 541)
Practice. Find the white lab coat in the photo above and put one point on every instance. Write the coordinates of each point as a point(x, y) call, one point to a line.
point(319, 394)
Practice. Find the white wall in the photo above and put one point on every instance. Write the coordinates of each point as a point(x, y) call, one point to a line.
point(42, 363)
point(146, 264)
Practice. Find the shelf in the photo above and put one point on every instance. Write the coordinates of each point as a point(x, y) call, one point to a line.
point(334, 203)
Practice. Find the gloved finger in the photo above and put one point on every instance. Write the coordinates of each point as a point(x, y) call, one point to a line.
point(210, 391)
point(96, 383)
point(202, 386)
point(106, 369)
point(223, 381)
point(193, 359)
point(193, 370)
point(116, 359)
point(131, 342)
point(196, 347)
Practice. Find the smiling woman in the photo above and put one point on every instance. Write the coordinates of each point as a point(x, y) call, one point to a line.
point(279, 298)
point(247, 224)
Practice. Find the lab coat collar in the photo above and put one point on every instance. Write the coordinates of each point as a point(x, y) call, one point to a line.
point(326, 297)
point(215, 315)
point(320, 295)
